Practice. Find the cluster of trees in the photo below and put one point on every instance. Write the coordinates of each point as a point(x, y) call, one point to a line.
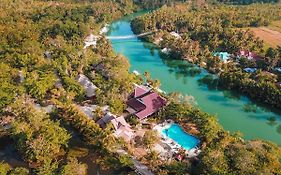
point(224, 153)
point(40, 140)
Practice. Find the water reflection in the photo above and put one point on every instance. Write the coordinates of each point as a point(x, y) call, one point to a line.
point(210, 81)
point(278, 129)
point(272, 121)
point(250, 107)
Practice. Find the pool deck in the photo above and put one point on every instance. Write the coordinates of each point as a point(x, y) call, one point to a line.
point(193, 152)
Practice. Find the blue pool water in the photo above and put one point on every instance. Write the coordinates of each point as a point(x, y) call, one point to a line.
point(176, 133)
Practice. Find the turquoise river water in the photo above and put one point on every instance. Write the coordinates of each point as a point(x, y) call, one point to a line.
point(176, 76)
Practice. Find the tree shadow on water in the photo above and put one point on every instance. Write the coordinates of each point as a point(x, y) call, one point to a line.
point(272, 121)
point(210, 81)
point(278, 129)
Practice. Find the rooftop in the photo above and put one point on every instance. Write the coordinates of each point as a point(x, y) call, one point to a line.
point(144, 102)
point(89, 87)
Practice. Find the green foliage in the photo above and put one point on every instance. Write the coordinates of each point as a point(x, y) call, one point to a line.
point(150, 137)
point(152, 4)
point(19, 171)
point(36, 136)
point(73, 167)
point(4, 168)
point(47, 168)
point(177, 168)
point(245, 2)
point(8, 87)
point(39, 83)
point(241, 158)
point(125, 160)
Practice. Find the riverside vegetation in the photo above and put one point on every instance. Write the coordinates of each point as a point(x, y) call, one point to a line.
point(41, 42)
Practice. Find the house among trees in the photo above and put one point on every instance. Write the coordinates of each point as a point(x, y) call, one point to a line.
point(89, 87)
point(106, 119)
point(249, 55)
point(122, 128)
point(144, 102)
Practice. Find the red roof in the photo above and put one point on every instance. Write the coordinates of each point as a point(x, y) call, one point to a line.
point(145, 103)
point(140, 90)
point(136, 104)
point(249, 55)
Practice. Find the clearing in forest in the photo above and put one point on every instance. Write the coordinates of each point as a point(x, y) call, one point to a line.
point(269, 36)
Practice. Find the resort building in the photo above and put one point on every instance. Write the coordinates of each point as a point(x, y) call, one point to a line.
point(89, 87)
point(21, 77)
point(224, 56)
point(106, 119)
point(122, 128)
point(48, 109)
point(48, 54)
point(249, 55)
point(144, 102)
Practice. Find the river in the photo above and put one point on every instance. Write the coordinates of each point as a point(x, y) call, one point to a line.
point(176, 76)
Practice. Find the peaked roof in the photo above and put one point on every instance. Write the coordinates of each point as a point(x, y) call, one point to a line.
point(119, 122)
point(89, 87)
point(105, 119)
point(140, 90)
point(249, 55)
point(145, 102)
point(153, 102)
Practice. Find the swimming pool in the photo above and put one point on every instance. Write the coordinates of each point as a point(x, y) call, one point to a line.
point(176, 133)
